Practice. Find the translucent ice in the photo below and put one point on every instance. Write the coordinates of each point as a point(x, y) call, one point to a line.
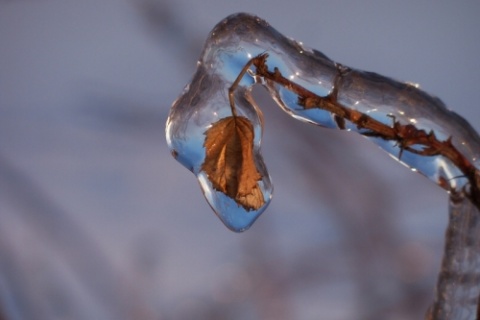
point(414, 127)
point(203, 103)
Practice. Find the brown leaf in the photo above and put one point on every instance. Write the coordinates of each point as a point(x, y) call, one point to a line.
point(229, 161)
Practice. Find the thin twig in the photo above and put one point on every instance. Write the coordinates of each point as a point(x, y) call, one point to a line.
point(405, 135)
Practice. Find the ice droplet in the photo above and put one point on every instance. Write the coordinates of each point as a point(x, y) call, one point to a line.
point(406, 113)
point(205, 102)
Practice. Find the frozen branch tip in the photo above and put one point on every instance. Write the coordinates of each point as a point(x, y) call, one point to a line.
point(214, 128)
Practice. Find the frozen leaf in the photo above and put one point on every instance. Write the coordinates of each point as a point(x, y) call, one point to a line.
point(414, 127)
point(229, 161)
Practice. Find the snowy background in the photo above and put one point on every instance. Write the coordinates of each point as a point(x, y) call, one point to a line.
point(98, 221)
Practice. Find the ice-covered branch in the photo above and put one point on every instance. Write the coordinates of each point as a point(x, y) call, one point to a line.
point(215, 127)
point(458, 286)
point(409, 137)
point(414, 127)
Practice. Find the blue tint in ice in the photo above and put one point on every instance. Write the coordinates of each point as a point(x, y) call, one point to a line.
point(234, 216)
point(204, 102)
point(239, 38)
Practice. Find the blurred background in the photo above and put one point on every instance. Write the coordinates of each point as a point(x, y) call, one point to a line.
point(98, 221)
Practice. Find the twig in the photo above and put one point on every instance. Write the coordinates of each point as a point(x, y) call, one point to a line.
point(405, 135)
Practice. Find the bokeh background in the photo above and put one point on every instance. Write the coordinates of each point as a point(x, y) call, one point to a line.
point(98, 221)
